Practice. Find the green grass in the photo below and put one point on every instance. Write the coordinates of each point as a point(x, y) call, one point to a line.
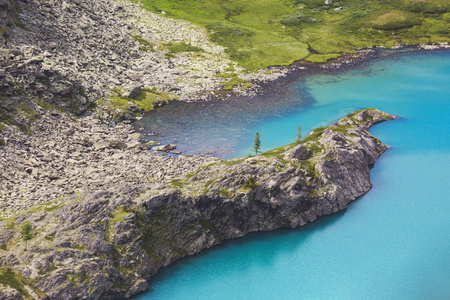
point(146, 100)
point(321, 58)
point(119, 214)
point(18, 282)
point(262, 33)
point(233, 81)
point(53, 207)
point(44, 104)
point(146, 45)
point(177, 183)
point(314, 135)
point(8, 277)
point(341, 128)
point(181, 47)
point(250, 183)
point(225, 193)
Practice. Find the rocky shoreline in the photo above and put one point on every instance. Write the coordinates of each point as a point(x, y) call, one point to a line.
point(106, 242)
point(105, 212)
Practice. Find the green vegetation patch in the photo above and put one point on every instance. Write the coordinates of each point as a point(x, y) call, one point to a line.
point(225, 193)
point(177, 183)
point(321, 58)
point(395, 21)
point(52, 207)
point(147, 100)
point(146, 45)
point(263, 33)
point(231, 162)
point(341, 128)
point(44, 104)
point(119, 214)
point(10, 278)
point(182, 47)
point(250, 183)
point(233, 81)
point(315, 135)
point(18, 282)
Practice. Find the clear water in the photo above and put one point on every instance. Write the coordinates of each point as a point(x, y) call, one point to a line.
point(392, 243)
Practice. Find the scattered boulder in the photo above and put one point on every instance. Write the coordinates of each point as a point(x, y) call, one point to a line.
point(132, 90)
point(115, 144)
point(165, 148)
point(298, 152)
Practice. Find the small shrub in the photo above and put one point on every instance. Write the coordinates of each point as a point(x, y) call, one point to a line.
point(296, 19)
point(225, 193)
point(44, 104)
point(250, 183)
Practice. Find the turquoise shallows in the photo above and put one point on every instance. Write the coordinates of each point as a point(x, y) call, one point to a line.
point(392, 243)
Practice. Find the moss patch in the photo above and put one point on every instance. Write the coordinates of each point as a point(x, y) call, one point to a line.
point(233, 81)
point(18, 282)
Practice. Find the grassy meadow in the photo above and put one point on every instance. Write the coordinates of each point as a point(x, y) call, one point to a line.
point(262, 33)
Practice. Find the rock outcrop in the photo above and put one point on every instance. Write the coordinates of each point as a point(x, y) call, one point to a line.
point(107, 244)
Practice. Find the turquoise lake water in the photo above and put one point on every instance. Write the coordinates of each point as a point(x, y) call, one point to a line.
point(392, 243)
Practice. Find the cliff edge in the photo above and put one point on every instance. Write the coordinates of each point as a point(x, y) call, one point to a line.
point(108, 244)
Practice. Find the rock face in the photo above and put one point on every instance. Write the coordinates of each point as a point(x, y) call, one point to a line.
point(107, 244)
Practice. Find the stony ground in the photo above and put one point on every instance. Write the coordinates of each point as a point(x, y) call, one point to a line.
point(103, 45)
point(65, 158)
point(64, 57)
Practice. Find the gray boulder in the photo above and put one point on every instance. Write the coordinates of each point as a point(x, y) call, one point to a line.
point(165, 148)
point(131, 90)
point(299, 152)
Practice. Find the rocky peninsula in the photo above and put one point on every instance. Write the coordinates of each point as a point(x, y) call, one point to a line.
point(106, 242)
point(105, 214)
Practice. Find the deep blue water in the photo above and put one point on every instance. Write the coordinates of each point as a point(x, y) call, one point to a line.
point(392, 243)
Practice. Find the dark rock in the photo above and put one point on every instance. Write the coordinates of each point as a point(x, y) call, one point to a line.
point(117, 144)
point(299, 152)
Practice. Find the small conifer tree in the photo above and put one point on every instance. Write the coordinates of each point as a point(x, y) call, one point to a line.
point(299, 134)
point(26, 232)
point(257, 144)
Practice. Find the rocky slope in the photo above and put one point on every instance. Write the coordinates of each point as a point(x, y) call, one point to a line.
point(71, 53)
point(63, 158)
point(106, 243)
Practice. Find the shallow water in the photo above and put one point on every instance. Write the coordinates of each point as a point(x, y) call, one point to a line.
point(392, 243)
